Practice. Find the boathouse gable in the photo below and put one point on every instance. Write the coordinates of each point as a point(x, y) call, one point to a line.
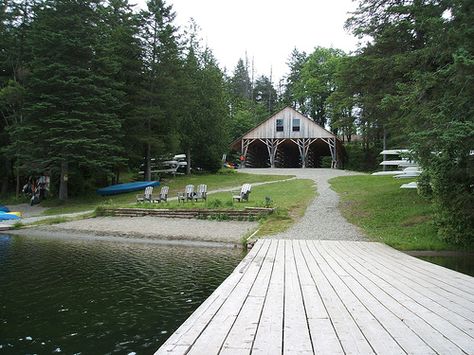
point(287, 139)
point(288, 116)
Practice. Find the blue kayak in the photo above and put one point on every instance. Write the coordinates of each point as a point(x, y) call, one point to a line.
point(4, 209)
point(8, 217)
point(127, 187)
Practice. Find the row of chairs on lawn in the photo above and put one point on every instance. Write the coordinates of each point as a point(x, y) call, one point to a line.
point(148, 196)
point(189, 194)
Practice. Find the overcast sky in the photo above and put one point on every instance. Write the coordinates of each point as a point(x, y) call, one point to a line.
point(267, 30)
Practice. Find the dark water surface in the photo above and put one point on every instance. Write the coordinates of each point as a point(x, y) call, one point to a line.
point(460, 263)
point(90, 297)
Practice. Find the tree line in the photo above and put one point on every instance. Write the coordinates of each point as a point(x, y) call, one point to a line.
point(92, 88)
point(89, 88)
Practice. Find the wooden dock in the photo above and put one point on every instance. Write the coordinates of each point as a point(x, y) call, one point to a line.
point(332, 297)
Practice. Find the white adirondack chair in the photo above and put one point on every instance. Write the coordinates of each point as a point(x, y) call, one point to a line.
point(145, 196)
point(187, 195)
point(244, 193)
point(163, 196)
point(201, 192)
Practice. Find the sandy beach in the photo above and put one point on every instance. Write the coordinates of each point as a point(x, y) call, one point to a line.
point(148, 228)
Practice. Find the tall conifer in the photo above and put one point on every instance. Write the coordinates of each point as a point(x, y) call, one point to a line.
point(70, 122)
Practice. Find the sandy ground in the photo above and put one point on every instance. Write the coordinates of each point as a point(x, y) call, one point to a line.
point(322, 220)
point(150, 228)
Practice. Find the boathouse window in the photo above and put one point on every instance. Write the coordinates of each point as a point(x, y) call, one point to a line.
point(279, 125)
point(296, 124)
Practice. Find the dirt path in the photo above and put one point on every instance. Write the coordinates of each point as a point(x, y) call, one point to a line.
point(322, 220)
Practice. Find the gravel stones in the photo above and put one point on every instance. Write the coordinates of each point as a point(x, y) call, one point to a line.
point(322, 220)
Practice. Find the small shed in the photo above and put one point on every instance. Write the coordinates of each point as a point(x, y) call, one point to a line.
point(288, 139)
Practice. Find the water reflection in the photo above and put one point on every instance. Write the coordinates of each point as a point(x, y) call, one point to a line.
point(101, 297)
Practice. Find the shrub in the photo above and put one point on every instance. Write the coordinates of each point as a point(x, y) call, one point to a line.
point(214, 203)
point(445, 155)
point(326, 162)
point(359, 159)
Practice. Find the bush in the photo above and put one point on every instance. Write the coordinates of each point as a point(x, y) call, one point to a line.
point(326, 162)
point(359, 159)
point(214, 203)
point(448, 166)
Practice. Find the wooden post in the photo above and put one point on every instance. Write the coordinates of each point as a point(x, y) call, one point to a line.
point(272, 148)
point(303, 146)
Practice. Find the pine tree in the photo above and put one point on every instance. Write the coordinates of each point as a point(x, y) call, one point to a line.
point(15, 21)
point(71, 124)
point(121, 50)
point(159, 108)
point(265, 95)
point(203, 123)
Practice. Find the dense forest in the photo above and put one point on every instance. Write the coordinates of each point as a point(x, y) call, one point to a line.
point(92, 88)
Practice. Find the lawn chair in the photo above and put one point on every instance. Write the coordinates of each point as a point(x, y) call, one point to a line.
point(244, 193)
point(146, 196)
point(163, 196)
point(201, 193)
point(187, 195)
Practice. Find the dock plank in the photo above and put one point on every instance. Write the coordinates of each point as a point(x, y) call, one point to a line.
point(242, 334)
point(348, 333)
point(332, 297)
point(381, 341)
point(183, 338)
point(322, 332)
point(212, 338)
point(269, 337)
point(424, 307)
point(296, 338)
point(377, 303)
point(400, 305)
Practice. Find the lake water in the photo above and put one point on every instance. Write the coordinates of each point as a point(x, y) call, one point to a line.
point(94, 297)
point(460, 263)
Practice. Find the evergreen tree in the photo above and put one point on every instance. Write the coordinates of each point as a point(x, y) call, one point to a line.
point(241, 86)
point(203, 125)
point(293, 80)
point(265, 94)
point(71, 123)
point(159, 108)
point(417, 76)
point(121, 49)
point(15, 21)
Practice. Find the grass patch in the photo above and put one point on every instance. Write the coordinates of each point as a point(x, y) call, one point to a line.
point(176, 184)
point(289, 198)
point(56, 220)
point(394, 216)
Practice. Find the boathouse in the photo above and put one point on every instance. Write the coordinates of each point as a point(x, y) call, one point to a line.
point(288, 139)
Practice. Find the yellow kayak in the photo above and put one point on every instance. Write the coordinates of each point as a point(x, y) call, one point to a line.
point(18, 214)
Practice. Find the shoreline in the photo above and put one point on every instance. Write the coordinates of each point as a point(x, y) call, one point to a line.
point(102, 237)
point(158, 230)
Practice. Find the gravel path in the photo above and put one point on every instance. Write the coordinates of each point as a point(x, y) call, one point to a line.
point(322, 219)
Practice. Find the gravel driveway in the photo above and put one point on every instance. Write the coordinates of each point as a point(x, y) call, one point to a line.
point(322, 219)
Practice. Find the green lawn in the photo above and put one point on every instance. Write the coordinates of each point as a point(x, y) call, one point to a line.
point(397, 217)
point(289, 198)
point(213, 181)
